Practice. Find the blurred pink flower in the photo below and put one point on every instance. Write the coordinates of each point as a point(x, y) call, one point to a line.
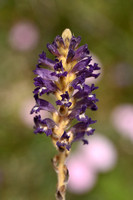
point(23, 36)
point(98, 156)
point(25, 115)
point(122, 119)
point(91, 80)
point(82, 178)
point(100, 153)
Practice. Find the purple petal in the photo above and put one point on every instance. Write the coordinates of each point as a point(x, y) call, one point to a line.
point(86, 92)
point(62, 145)
point(52, 49)
point(49, 122)
point(59, 41)
point(65, 136)
point(78, 82)
point(42, 104)
point(75, 41)
point(81, 64)
point(65, 100)
point(42, 126)
point(43, 60)
point(88, 102)
point(81, 52)
point(70, 55)
point(44, 86)
point(44, 73)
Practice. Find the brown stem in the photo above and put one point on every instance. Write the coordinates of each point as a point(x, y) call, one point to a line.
point(62, 174)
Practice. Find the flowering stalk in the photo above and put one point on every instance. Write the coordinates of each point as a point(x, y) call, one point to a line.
point(65, 79)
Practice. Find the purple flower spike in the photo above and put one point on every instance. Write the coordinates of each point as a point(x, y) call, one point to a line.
point(65, 82)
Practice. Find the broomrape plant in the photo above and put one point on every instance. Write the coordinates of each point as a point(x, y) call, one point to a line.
point(65, 79)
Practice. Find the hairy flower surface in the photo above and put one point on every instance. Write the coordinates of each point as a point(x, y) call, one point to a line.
point(64, 78)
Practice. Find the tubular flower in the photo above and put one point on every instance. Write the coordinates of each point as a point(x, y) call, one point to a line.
point(64, 78)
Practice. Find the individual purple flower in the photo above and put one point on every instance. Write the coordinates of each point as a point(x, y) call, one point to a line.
point(64, 142)
point(81, 129)
point(59, 70)
point(52, 49)
point(42, 104)
point(78, 82)
point(83, 64)
point(81, 52)
point(58, 42)
point(65, 100)
point(43, 126)
point(86, 91)
point(65, 79)
point(81, 114)
point(44, 73)
point(70, 55)
point(44, 86)
point(75, 41)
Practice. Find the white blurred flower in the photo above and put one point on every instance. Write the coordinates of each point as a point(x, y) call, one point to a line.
point(100, 153)
point(122, 119)
point(81, 177)
point(23, 36)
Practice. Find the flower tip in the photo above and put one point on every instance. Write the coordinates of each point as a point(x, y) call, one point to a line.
point(67, 34)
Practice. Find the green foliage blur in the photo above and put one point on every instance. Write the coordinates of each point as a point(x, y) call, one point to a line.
point(25, 159)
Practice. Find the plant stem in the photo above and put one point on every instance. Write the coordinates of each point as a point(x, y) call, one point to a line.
point(62, 174)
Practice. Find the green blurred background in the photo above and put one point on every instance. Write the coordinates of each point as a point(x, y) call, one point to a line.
point(107, 27)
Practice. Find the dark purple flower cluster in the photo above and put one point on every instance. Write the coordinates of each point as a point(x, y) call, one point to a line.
point(65, 79)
